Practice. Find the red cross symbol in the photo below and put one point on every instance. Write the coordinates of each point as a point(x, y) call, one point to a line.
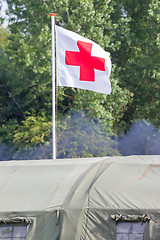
point(86, 62)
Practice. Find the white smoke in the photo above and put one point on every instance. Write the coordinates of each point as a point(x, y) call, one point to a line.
point(86, 138)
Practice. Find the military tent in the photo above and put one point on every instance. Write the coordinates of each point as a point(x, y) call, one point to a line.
point(112, 198)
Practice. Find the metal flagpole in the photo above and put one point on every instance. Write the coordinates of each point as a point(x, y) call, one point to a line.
point(53, 87)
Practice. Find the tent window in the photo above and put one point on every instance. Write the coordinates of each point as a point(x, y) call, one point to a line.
point(13, 231)
point(130, 230)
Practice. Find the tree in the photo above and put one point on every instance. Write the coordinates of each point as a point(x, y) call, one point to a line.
point(8, 104)
point(129, 36)
point(140, 71)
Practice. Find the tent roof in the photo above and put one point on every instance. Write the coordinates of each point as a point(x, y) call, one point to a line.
point(109, 182)
point(39, 184)
point(128, 183)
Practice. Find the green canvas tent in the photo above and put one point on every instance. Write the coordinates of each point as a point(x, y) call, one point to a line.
point(112, 198)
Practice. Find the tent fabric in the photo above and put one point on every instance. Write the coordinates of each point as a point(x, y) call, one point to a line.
point(81, 198)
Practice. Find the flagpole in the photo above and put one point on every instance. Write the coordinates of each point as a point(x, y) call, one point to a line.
point(53, 87)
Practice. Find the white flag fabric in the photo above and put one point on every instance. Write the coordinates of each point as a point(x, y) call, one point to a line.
point(81, 63)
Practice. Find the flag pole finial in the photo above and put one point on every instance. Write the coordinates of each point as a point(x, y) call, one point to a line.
point(52, 14)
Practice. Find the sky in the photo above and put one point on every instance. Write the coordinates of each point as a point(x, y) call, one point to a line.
point(4, 7)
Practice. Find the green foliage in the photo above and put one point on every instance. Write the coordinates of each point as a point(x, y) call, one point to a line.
point(129, 30)
point(31, 138)
point(140, 73)
point(33, 130)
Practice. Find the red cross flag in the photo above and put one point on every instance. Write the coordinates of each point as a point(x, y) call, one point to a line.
point(81, 63)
